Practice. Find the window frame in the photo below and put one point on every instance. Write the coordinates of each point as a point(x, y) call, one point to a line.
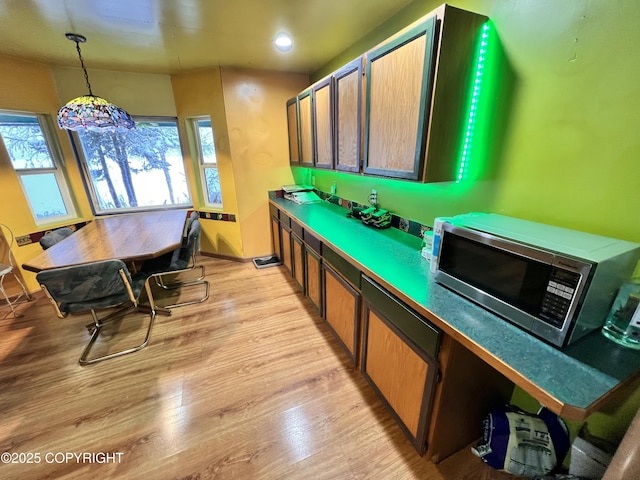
point(58, 169)
point(93, 198)
point(194, 130)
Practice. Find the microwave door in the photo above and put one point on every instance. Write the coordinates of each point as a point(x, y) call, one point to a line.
point(487, 270)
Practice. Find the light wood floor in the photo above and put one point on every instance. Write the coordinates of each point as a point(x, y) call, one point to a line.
point(248, 385)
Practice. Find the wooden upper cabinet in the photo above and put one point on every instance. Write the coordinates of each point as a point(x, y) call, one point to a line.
point(414, 90)
point(292, 124)
point(454, 84)
point(323, 123)
point(399, 84)
point(306, 129)
point(347, 86)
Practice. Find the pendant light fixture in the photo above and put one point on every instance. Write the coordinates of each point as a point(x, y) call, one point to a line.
point(90, 111)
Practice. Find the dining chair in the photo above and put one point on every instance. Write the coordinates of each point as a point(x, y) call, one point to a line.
point(8, 268)
point(166, 269)
point(49, 239)
point(187, 227)
point(96, 286)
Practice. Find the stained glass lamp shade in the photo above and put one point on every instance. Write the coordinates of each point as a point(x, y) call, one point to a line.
point(90, 111)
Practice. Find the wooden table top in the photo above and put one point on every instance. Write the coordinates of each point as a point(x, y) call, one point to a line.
point(130, 238)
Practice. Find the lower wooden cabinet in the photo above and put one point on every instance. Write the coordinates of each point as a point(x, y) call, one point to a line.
point(402, 371)
point(275, 236)
point(313, 278)
point(342, 310)
point(297, 267)
point(397, 370)
point(437, 390)
point(299, 251)
point(285, 236)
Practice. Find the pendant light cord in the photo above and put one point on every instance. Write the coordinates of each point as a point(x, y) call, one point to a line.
point(86, 75)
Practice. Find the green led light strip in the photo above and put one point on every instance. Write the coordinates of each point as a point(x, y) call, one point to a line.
point(475, 101)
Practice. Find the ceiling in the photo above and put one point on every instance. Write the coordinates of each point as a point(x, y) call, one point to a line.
point(172, 36)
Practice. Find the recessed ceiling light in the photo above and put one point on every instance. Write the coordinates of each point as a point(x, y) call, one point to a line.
point(283, 42)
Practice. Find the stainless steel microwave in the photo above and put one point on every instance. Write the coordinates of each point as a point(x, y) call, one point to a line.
point(555, 283)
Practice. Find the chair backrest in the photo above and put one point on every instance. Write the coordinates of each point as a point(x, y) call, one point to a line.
point(50, 239)
point(193, 239)
point(88, 286)
point(187, 254)
point(187, 227)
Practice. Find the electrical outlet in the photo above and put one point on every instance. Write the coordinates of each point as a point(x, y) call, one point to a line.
point(373, 198)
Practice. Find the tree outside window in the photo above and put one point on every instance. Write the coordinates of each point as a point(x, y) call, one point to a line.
point(137, 169)
point(206, 150)
point(35, 157)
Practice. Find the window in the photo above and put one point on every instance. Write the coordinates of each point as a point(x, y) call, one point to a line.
point(138, 169)
point(206, 152)
point(36, 158)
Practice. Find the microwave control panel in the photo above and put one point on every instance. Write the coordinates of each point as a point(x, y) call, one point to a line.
point(561, 290)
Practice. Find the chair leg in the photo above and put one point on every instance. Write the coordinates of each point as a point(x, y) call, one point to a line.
point(98, 324)
point(6, 297)
point(193, 302)
point(159, 278)
point(152, 307)
point(11, 304)
point(24, 289)
point(182, 286)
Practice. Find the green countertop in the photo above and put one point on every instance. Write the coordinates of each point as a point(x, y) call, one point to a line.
point(570, 381)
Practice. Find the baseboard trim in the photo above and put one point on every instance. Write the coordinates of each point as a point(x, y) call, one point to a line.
point(226, 257)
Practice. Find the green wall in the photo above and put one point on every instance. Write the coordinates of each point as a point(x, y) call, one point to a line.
point(566, 150)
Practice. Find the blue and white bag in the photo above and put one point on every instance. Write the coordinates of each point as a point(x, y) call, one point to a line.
point(523, 443)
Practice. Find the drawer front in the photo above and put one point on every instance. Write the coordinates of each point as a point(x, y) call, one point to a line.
point(273, 210)
point(285, 219)
point(296, 228)
point(313, 242)
point(346, 269)
point(418, 329)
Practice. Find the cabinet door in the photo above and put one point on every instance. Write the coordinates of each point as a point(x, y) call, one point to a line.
point(399, 359)
point(399, 83)
point(285, 235)
point(347, 86)
point(313, 278)
point(342, 310)
point(298, 260)
point(306, 129)
point(400, 375)
point(292, 123)
point(275, 234)
point(323, 123)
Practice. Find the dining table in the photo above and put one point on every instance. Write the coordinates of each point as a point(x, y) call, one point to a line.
point(132, 238)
